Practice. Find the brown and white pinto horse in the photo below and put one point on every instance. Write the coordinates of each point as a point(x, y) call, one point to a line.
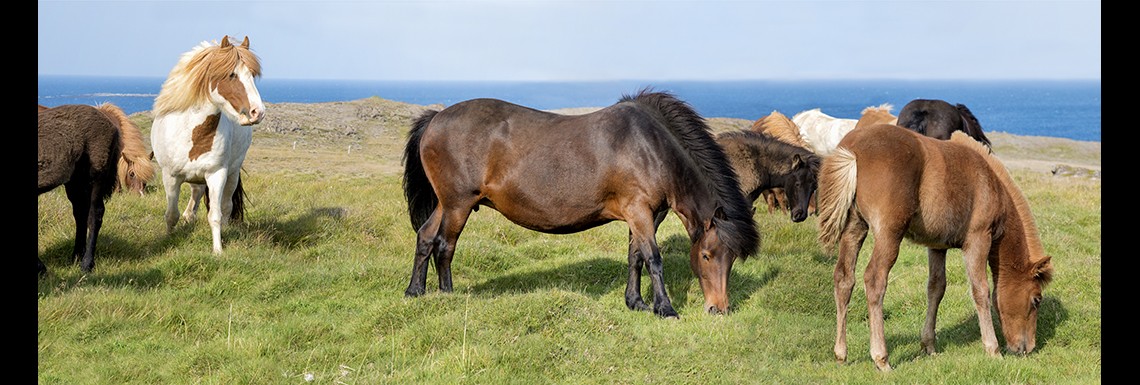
point(202, 130)
point(940, 194)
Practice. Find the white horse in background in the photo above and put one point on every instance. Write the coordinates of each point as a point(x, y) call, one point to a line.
point(202, 130)
point(821, 131)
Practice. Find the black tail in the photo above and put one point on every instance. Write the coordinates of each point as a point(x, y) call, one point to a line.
point(417, 189)
point(238, 214)
point(971, 126)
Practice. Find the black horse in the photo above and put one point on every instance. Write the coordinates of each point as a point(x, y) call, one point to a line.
point(763, 162)
point(553, 173)
point(79, 148)
point(938, 119)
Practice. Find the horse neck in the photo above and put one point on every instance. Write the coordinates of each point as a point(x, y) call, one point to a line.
point(1020, 243)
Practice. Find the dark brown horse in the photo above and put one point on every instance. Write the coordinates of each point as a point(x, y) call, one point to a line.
point(136, 169)
point(939, 194)
point(763, 162)
point(631, 162)
point(79, 148)
point(938, 119)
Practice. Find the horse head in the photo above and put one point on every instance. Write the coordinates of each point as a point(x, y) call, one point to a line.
point(711, 260)
point(232, 87)
point(1017, 299)
point(800, 184)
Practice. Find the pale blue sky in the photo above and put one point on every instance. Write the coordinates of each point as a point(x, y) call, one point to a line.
point(586, 40)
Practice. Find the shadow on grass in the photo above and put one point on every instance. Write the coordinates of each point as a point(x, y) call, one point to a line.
point(598, 276)
point(290, 234)
point(966, 333)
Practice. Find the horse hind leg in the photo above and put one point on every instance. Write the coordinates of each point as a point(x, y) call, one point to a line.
point(854, 233)
point(427, 242)
point(172, 185)
point(935, 289)
point(197, 191)
point(451, 227)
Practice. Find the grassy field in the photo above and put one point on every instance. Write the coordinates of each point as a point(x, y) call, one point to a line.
point(310, 290)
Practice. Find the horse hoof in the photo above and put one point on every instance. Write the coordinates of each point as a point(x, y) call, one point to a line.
point(667, 313)
point(413, 293)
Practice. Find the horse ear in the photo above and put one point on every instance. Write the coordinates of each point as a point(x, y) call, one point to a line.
point(797, 161)
point(225, 41)
point(245, 43)
point(718, 215)
point(1043, 269)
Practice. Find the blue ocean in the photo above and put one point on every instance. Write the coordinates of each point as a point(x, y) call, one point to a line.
point(1063, 109)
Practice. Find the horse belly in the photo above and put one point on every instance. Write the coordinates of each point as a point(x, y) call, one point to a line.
point(175, 149)
point(546, 213)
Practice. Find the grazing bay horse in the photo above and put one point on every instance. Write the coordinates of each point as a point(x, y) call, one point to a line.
point(938, 119)
point(762, 163)
point(202, 130)
point(559, 174)
point(79, 148)
point(940, 194)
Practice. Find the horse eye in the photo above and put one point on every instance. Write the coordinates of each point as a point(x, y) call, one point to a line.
point(705, 256)
point(1036, 302)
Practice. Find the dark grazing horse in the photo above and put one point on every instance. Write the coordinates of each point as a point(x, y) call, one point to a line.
point(79, 148)
point(938, 119)
point(763, 162)
point(940, 194)
point(559, 174)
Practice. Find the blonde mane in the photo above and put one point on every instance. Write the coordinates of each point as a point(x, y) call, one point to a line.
point(874, 115)
point(198, 69)
point(135, 156)
point(1032, 238)
point(780, 127)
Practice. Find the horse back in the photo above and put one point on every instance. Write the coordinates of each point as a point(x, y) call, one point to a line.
point(522, 161)
point(935, 192)
point(76, 138)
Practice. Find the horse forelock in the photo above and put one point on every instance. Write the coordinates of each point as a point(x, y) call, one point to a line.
point(189, 82)
point(739, 233)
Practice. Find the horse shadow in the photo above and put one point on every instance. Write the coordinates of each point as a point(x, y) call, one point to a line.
point(1051, 316)
point(600, 276)
point(290, 234)
point(111, 247)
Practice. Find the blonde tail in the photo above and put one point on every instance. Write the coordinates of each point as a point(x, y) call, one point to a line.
point(837, 177)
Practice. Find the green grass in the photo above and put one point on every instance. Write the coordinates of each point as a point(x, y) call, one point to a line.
point(312, 285)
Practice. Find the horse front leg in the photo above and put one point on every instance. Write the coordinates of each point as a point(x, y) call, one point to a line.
point(975, 252)
point(215, 212)
point(644, 237)
point(935, 289)
point(633, 298)
point(854, 233)
point(427, 238)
